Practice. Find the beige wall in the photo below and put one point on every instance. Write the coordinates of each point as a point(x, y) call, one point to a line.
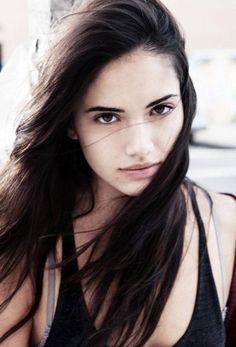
point(206, 23)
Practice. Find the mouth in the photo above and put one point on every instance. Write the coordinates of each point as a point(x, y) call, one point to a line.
point(141, 170)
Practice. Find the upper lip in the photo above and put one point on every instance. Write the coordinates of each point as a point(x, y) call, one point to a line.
point(139, 166)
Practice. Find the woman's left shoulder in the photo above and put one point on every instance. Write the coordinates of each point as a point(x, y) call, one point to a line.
point(224, 207)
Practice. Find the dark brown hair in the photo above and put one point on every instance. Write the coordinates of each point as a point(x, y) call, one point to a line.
point(46, 171)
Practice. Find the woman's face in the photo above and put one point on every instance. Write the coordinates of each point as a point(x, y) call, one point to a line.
point(128, 120)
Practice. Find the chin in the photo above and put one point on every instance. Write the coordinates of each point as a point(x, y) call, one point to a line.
point(133, 191)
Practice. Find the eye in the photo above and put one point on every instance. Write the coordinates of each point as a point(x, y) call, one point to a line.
point(106, 118)
point(162, 109)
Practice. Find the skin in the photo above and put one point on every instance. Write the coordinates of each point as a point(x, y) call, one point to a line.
point(112, 141)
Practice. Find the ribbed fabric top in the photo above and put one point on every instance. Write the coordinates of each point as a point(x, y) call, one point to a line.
point(72, 322)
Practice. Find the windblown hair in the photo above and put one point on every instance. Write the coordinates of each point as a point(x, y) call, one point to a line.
point(46, 172)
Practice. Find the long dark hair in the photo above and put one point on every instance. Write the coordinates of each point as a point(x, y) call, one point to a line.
point(46, 171)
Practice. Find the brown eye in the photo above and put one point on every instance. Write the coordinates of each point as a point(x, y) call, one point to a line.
point(162, 109)
point(106, 118)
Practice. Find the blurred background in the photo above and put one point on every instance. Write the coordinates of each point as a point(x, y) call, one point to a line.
point(209, 27)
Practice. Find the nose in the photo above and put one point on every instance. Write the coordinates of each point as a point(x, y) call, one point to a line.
point(139, 141)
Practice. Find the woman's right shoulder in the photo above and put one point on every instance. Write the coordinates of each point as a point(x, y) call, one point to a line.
point(17, 308)
point(20, 305)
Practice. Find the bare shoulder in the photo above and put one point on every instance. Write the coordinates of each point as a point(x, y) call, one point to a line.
point(14, 311)
point(225, 210)
point(224, 213)
point(224, 207)
point(221, 218)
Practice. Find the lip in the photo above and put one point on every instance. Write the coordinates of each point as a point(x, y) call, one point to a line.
point(139, 166)
point(141, 170)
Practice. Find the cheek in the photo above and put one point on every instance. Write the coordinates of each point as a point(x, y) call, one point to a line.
point(98, 155)
point(177, 126)
point(91, 154)
point(168, 131)
point(101, 142)
point(94, 135)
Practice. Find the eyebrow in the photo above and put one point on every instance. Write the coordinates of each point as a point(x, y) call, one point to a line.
point(114, 109)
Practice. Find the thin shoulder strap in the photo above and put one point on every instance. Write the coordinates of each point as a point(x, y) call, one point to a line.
point(51, 289)
point(51, 297)
point(67, 245)
point(221, 257)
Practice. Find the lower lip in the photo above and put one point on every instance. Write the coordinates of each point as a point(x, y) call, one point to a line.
point(142, 173)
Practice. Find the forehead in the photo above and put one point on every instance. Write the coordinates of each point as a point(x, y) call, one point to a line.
point(138, 76)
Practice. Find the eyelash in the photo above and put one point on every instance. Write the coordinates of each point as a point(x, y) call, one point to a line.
point(99, 117)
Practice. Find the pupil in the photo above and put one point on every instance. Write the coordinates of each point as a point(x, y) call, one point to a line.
point(107, 118)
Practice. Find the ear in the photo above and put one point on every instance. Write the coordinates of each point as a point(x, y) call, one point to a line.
point(71, 133)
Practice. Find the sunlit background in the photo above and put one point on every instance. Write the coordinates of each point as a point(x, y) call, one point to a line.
point(210, 31)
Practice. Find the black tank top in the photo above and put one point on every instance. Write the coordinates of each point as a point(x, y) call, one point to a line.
point(72, 323)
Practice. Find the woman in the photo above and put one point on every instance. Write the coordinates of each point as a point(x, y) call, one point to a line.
point(104, 241)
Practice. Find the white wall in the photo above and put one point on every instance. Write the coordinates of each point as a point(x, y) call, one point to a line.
point(13, 24)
